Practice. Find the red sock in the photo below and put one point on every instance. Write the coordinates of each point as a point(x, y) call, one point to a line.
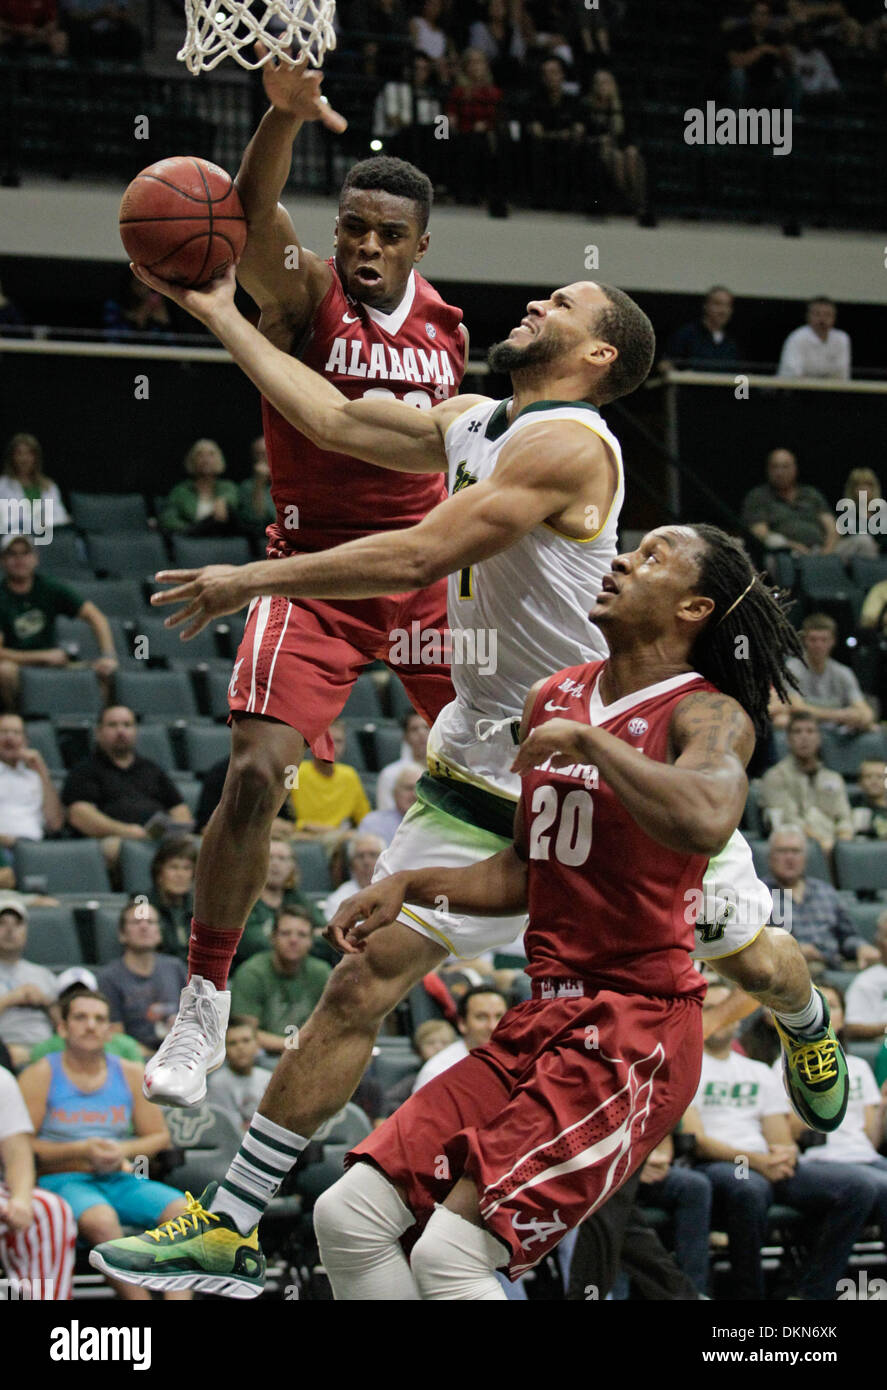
point(211, 951)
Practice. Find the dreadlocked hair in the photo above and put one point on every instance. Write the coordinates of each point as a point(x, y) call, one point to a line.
point(725, 572)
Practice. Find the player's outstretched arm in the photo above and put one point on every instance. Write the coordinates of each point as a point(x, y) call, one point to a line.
point(693, 804)
point(285, 280)
point(496, 887)
point(528, 487)
point(388, 433)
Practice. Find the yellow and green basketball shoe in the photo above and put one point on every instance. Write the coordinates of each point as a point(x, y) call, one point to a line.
point(814, 1071)
point(200, 1249)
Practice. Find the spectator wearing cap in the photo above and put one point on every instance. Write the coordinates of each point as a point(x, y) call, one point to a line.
point(800, 789)
point(91, 1121)
point(414, 750)
point(827, 690)
point(27, 991)
point(385, 823)
point(115, 793)
point(30, 604)
point(143, 987)
point(29, 803)
point(817, 348)
point(79, 980)
point(172, 879)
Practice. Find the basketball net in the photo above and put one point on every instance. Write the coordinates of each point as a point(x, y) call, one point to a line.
point(289, 29)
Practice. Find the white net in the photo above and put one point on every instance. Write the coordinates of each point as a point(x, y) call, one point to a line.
point(220, 29)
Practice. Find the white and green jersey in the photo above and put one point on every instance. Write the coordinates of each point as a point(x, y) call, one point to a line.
point(523, 613)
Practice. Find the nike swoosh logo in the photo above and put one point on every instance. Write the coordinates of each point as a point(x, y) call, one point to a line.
point(551, 708)
point(350, 318)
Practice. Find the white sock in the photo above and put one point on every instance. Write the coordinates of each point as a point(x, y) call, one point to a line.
point(267, 1153)
point(454, 1259)
point(809, 1021)
point(358, 1223)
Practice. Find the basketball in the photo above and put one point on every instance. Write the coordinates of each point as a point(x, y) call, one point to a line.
point(183, 219)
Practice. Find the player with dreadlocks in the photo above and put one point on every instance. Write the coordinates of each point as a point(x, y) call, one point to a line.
point(495, 1160)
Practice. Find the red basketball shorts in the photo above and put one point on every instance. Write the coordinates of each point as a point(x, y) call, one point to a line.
point(550, 1118)
point(298, 659)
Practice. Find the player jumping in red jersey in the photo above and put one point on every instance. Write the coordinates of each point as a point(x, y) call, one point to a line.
point(367, 321)
point(494, 1161)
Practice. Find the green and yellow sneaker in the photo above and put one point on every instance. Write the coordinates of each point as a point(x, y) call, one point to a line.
point(199, 1250)
point(814, 1071)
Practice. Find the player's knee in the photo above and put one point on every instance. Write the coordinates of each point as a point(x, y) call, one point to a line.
point(358, 993)
point(359, 1216)
point(255, 786)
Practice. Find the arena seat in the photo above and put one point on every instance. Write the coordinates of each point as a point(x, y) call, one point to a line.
point(106, 940)
point(165, 643)
point(866, 1048)
point(844, 753)
point(117, 598)
point(867, 572)
point(108, 513)
point(861, 865)
point(53, 939)
point(136, 857)
point(153, 741)
point(52, 693)
point(217, 687)
point(193, 552)
point(209, 1139)
point(388, 741)
point(156, 693)
point(78, 639)
point(65, 556)
point(60, 866)
point(865, 916)
point(314, 866)
point(136, 555)
point(40, 734)
point(190, 788)
point(363, 701)
point(206, 744)
point(399, 702)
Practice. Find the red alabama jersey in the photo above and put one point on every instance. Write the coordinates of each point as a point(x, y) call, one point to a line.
point(607, 903)
point(415, 354)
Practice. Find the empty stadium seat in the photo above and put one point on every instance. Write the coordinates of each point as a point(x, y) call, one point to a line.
point(190, 788)
point(40, 734)
point(209, 1138)
point(865, 916)
point(844, 753)
point(867, 572)
point(388, 741)
point(136, 857)
point(206, 744)
point(47, 693)
point(193, 552)
point(152, 741)
point(363, 702)
point(165, 643)
point(60, 866)
point(861, 865)
point(167, 693)
point(217, 686)
point(314, 866)
point(78, 639)
point(65, 556)
point(109, 513)
point(117, 598)
point(866, 1048)
point(131, 556)
point(53, 938)
point(399, 702)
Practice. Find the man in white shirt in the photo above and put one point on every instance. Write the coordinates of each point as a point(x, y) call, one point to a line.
point(480, 1010)
point(37, 1228)
point(740, 1120)
point(867, 995)
point(27, 991)
point(362, 851)
point(29, 803)
point(817, 349)
point(415, 736)
point(385, 823)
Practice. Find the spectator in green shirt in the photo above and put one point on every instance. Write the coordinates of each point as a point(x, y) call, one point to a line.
point(280, 892)
point(786, 514)
point(206, 504)
point(279, 988)
point(255, 504)
point(30, 603)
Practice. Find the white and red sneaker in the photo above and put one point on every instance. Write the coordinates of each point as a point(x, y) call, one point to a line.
point(193, 1047)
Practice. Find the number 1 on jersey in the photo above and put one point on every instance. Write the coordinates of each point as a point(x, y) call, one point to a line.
point(465, 586)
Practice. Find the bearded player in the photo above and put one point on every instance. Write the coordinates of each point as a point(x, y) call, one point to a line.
point(529, 576)
point(372, 325)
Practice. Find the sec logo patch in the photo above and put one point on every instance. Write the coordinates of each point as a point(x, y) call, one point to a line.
point(636, 727)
